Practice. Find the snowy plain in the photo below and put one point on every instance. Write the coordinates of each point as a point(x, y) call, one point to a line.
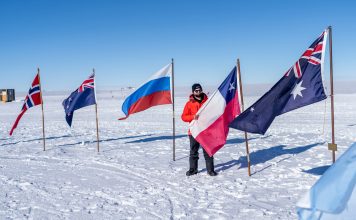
point(134, 177)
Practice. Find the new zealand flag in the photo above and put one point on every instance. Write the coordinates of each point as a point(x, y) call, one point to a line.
point(302, 85)
point(82, 97)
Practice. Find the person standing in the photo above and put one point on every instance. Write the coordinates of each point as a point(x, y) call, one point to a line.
point(196, 100)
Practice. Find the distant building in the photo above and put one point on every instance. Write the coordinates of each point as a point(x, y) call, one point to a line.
point(7, 95)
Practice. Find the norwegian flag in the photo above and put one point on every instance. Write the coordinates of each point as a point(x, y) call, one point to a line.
point(81, 97)
point(301, 85)
point(33, 98)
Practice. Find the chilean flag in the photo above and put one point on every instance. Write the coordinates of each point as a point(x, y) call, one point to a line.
point(212, 127)
point(155, 91)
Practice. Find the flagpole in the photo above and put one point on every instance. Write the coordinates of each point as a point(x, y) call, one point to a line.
point(242, 109)
point(43, 129)
point(332, 146)
point(96, 114)
point(173, 116)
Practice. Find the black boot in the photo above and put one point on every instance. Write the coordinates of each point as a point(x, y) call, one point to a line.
point(209, 161)
point(191, 172)
point(212, 173)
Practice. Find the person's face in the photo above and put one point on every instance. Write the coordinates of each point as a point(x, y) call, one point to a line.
point(197, 92)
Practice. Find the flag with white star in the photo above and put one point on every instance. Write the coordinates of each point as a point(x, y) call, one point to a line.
point(212, 126)
point(302, 85)
point(81, 97)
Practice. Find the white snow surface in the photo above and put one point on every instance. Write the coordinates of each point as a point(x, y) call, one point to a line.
point(134, 177)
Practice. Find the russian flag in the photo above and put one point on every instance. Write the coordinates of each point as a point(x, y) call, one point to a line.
point(155, 91)
point(212, 127)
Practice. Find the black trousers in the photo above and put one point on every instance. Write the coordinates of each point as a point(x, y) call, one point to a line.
point(194, 156)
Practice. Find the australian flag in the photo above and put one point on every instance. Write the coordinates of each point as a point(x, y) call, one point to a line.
point(83, 96)
point(302, 85)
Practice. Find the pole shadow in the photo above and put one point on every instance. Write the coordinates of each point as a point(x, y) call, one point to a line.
point(37, 139)
point(264, 155)
point(158, 138)
point(103, 140)
point(181, 158)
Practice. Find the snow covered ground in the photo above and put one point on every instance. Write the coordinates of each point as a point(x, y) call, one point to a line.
point(134, 176)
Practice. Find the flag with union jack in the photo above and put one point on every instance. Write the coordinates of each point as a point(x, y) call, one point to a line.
point(81, 97)
point(301, 85)
point(33, 98)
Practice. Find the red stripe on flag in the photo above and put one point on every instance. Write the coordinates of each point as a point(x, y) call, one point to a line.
point(214, 137)
point(17, 121)
point(318, 47)
point(36, 81)
point(157, 98)
point(297, 71)
point(313, 61)
point(307, 53)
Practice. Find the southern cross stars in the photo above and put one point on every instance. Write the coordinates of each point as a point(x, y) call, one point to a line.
point(298, 90)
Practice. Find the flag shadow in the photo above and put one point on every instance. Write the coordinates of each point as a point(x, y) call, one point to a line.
point(164, 137)
point(264, 155)
point(318, 171)
point(37, 139)
point(242, 140)
point(104, 140)
point(237, 140)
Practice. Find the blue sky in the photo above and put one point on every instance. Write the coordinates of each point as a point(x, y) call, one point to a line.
point(127, 41)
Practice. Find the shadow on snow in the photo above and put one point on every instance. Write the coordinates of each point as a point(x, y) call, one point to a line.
point(37, 139)
point(317, 170)
point(104, 140)
point(264, 155)
point(242, 140)
point(231, 141)
point(158, 138)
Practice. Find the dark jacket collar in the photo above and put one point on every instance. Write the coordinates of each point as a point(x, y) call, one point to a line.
point(193, 99)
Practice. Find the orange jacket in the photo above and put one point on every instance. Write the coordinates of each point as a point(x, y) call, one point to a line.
point(191, 108)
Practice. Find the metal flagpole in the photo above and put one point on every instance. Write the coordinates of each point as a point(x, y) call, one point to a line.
point(173, 116)
point(242, 109)
point(43, 129)
point(96, 114)
point(332, 146)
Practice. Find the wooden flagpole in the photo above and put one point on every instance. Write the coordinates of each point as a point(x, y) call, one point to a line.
point(43, 129)
point(173, 116)
point(242, 109)
point(96, 114)
point(332, 146)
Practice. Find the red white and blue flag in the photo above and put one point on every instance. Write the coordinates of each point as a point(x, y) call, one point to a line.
point(155, 91)
point(81, 97)
point(212, 127)
point(32, 99)
point(302, 85)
